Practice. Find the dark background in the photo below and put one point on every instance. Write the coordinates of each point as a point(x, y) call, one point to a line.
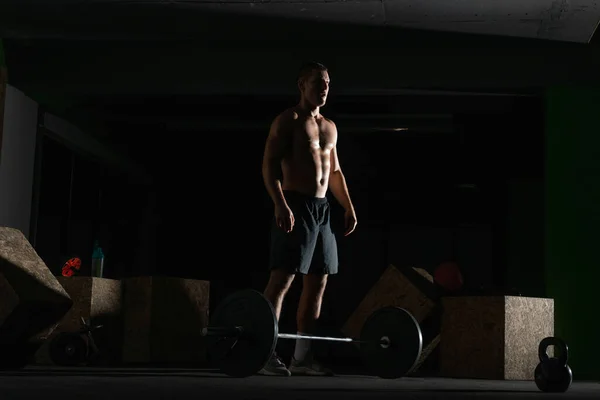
point(436, 194)
point(191, 103)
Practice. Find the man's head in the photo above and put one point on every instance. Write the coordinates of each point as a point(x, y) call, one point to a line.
point(313, 83)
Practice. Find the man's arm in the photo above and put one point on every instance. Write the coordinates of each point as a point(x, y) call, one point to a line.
point(275, 149)
point(339, 189)
point(337, 183)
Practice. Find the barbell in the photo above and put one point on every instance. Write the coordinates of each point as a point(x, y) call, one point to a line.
point(243, 332)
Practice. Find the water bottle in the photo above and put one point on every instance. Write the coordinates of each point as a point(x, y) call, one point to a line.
point(97, 261)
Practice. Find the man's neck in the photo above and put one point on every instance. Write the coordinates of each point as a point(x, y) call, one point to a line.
point(309, 109)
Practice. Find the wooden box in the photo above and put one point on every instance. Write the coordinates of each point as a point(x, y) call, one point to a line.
point(163, 320)
point(32, 301)
point(493, 337)
point(99, 301)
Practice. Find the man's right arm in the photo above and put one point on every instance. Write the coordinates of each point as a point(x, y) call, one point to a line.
point(275, 148)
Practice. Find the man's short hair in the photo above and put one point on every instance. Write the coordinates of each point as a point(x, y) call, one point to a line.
point(308, 68)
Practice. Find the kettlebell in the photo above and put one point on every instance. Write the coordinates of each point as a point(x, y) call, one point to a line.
point(553, 374)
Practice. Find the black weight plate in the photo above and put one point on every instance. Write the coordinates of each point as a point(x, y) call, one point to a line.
point(68, 348)
point(247, 354)
point(406, 342)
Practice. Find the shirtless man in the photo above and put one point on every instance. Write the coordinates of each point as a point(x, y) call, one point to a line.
point(300, 164)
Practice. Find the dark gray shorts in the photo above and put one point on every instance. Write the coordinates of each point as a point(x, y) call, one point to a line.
point(311, 246)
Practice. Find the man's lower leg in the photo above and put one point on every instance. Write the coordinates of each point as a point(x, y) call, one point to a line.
point(303, 362)
point(276, 289)
point(309, 310)
point(275, 292)
point(306, 321)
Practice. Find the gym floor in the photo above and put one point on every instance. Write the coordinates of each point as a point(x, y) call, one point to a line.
point(149, 384)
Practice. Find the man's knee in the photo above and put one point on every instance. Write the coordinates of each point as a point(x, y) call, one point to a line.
point(315, 283)
point(280, 281)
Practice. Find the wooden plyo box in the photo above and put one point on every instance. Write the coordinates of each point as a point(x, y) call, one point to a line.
point(493, 337)
point(163, 320)
point(32, 301)
point(98, 300)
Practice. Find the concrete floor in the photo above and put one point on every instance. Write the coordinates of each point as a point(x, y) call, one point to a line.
point(149, 384)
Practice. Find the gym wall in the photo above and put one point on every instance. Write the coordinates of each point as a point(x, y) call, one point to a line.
point(17, 160)
point(572, 220)
point(87, 192)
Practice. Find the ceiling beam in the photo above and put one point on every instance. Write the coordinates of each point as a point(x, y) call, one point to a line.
point(194, 69)
point(78, 140)
point(561, 20)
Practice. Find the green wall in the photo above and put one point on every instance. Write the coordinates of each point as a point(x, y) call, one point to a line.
point(572, 238)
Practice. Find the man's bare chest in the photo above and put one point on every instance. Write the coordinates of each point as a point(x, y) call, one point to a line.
point(313, 136)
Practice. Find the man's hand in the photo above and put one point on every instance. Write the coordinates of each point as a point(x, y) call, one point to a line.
point(349, 222)
point(284, 218)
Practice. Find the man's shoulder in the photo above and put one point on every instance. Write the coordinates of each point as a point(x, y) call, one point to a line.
point(283, 122)
point(289, 114)
point(285, 118)
point(329, 121)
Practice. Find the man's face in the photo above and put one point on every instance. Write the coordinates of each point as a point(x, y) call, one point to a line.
point(315, 88)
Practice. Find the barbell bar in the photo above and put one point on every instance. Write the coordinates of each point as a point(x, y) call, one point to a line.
point(243, 332)
point(383, 341)
point(237, 331)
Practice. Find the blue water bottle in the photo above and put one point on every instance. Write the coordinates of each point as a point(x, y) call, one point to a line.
point(97, 261)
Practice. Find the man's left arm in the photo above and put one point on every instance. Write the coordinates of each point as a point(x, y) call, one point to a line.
point(339, 189)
